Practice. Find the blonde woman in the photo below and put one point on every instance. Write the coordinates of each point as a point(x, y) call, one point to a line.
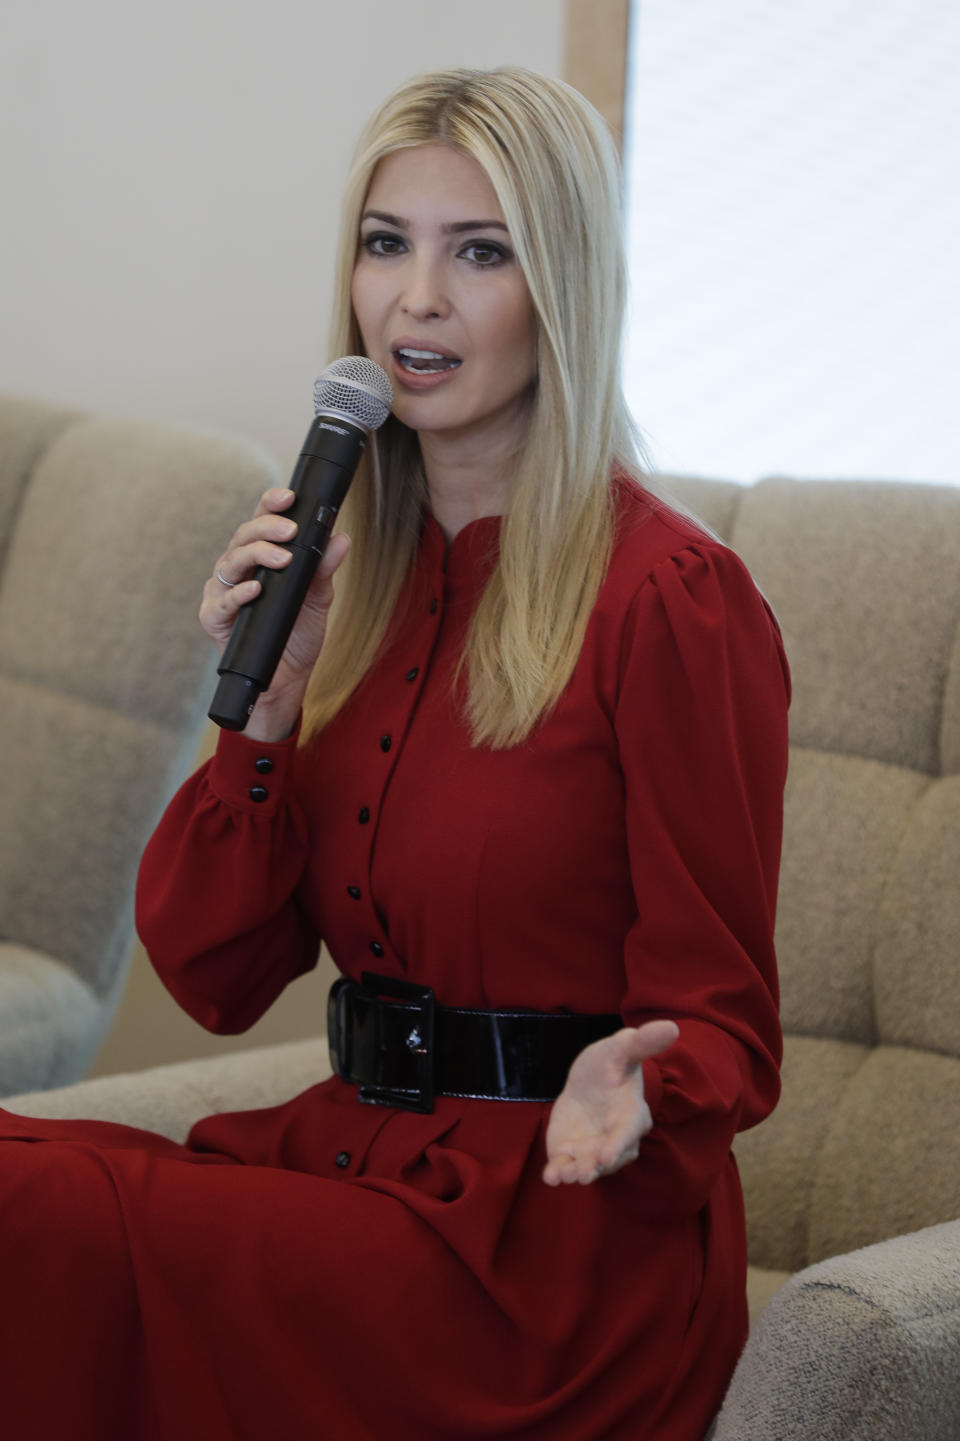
point(528, 789)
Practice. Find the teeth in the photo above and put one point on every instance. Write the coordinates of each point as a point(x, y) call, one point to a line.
point(424, 362)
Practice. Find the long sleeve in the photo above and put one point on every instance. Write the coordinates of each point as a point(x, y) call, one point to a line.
point(702, 730)
point(217, 908)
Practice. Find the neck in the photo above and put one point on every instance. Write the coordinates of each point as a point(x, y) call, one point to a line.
point(466, 480)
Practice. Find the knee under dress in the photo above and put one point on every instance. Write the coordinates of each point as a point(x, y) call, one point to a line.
point(335, 1270)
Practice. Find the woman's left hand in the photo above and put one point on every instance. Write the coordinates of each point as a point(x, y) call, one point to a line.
point(600, 1116)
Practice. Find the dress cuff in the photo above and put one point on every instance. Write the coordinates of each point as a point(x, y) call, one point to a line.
point(251, 775)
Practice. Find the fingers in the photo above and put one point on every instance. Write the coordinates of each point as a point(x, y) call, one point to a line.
point(258, 542)
point(639, 1043)
point(265, 539)
point(601, 1117)
point(277, 498)
point(566, 1170)
point(583, 1169)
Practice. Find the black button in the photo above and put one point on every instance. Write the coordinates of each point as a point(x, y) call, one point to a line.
point(264, 765)
point(433, 606)
point(376, 947)
point(258, 793)
point(355, 892)
point(363, 816)
point(385, 743)
point(412, 674)
point(343, 1158)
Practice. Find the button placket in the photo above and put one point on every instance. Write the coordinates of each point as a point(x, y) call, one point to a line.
point(398, 718)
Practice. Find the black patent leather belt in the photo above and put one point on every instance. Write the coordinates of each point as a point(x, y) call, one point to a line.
point(390, 1038)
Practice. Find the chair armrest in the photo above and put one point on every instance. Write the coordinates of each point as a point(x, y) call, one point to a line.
point(861, 1347)
point(168, 1099)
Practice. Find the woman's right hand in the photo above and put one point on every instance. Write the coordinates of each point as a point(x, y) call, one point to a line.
point(257, 542)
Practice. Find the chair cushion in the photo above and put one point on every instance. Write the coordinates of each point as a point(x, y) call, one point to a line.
point(27, 428)
point(844, 819)
point(105, 513)
point(865, 582)
point(917, 957)
point(79, 862)
point(778, 1161)
point(890, 1162)
point(50, 1018)
point(860, 1348)
point(168, 1099)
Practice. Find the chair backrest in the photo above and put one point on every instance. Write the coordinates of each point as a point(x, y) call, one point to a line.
point(865, 580)
point(107, 530)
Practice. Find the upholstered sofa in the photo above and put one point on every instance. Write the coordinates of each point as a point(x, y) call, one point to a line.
point(105, 527)
point(853, 1186)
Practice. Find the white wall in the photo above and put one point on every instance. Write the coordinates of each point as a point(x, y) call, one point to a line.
point(171, 174)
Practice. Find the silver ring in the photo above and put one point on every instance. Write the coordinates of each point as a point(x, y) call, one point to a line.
point(229, 583)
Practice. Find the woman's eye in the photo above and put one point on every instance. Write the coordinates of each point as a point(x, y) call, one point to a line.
point(484, 253)
point(382, 243)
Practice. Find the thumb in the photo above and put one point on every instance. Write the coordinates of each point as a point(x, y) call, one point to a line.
point(334, 554)
point(649, 1040)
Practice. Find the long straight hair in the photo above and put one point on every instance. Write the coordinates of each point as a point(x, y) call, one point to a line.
point(555, 171)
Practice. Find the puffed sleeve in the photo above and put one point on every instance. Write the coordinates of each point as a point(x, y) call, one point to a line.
point(216, 893)
point(702, 730)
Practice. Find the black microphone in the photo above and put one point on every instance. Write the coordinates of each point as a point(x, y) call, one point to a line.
point(351, 398)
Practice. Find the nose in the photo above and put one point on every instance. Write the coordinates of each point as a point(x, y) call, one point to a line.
point(424, 293)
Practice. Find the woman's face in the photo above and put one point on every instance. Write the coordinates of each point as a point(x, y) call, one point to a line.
point(440, 299)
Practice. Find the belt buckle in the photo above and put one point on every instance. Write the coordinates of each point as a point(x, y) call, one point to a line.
point(336, 1030)
point(419, 1042)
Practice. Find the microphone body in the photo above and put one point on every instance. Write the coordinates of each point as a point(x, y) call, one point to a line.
point(320, 480)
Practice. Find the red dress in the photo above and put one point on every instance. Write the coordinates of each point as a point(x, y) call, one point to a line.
point(330, 1269)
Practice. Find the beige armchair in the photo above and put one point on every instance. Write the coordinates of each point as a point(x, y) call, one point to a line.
point(853, 1186)
point(105, 678)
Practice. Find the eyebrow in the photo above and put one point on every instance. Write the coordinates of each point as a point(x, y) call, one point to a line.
point(456, 228)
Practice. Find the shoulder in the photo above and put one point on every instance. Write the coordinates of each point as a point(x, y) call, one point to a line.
point(676, 592)
point(652, 538)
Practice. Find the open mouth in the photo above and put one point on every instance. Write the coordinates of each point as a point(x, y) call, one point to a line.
point(425, 362)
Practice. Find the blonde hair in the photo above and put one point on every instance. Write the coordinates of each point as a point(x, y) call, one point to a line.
point(554, 168)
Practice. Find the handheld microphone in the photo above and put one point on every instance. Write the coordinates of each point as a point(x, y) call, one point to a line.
point(351, 398)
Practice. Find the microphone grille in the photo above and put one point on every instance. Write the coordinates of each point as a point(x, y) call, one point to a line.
point(355, 388)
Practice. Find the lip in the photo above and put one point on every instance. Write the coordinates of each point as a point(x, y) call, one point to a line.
point(412, 380)
point(414, 342)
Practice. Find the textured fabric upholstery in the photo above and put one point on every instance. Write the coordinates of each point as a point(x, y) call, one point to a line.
point(865, 579)
point(168, 1099)
point(853, 1185)
point(105, 676)
point(860, 1348)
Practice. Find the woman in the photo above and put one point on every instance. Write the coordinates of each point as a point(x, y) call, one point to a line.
point(536, 767)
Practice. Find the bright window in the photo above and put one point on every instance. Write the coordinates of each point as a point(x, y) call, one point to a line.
point(794, 230)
